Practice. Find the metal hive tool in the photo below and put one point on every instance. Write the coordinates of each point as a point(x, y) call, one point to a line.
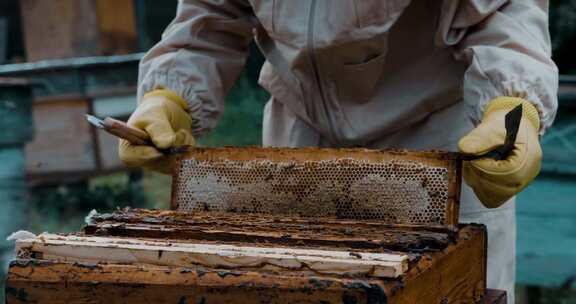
point(392, 187)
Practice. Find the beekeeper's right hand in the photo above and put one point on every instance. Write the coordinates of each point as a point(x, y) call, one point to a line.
point(163, 115)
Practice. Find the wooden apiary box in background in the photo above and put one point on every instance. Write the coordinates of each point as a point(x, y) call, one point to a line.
point(63, 141)
point(77, 28)
point(65, 147)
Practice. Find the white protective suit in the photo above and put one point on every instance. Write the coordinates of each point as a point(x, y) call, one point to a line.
point(373, 73)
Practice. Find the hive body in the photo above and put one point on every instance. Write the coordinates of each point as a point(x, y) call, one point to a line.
point(257, 225)
point(434, 273)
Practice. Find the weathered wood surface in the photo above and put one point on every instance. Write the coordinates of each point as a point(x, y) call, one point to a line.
point(185, 254)
point(434, 277)
point(72, 28)
point(112, 283)
point(456, 275)
point(62, 140)
point(266, 229)
point(59, 29)
point(117, 26)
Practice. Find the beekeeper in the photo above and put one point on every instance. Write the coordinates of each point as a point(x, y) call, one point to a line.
point(370, 73)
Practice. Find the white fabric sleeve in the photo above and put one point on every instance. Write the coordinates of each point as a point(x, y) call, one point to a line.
point(507, 46)
point(200, 56)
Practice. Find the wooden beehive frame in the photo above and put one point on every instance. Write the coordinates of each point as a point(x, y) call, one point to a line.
point(71, 248)
point(303, 157)
point(265, 229)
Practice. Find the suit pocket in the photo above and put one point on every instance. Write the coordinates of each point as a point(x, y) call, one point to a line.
point(378, 12)
point(357, 83)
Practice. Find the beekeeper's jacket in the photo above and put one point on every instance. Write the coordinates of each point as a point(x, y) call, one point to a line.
point(375, 73)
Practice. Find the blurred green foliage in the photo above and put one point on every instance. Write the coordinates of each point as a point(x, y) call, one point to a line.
point(241, 124)
point(62, 208)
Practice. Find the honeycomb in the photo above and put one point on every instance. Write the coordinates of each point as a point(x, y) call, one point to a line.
point(395, 191)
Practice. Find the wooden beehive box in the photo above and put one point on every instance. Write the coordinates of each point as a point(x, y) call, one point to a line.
point(140, 257)
point(243, 254)
point(78, 28)
point(67, 148)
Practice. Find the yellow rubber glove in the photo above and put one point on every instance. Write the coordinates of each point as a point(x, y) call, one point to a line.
point(495, 182)
point(163, 115)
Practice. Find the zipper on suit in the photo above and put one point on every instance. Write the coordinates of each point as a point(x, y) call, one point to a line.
point(312, 54)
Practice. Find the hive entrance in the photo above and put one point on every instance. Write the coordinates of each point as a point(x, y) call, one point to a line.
point(406, 188)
